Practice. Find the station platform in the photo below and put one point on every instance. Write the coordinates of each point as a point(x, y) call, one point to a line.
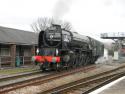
point(115, 87)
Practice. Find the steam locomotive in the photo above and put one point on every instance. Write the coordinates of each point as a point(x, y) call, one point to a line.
point(59, 48)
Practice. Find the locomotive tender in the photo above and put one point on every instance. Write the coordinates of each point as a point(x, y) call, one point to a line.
point(59, 48)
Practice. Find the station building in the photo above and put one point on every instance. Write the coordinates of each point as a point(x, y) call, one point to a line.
point(16, 47)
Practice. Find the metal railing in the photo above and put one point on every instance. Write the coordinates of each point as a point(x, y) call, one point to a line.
point(7, 60)
point(113, 35)
point(0, 63)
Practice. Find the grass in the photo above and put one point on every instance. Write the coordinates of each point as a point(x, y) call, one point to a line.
point(16, 70)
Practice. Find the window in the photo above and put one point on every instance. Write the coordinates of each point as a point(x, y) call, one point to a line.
point(27, 52)
point(5, 51)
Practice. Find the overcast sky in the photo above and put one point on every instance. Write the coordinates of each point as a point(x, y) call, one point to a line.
point(88, 17)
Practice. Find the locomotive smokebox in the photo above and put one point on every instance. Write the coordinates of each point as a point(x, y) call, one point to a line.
point(56, 26)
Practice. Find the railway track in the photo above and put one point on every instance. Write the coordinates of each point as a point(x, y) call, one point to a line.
point(14, 82)
point(40, 79)
point(15, 76)
point(86, 85)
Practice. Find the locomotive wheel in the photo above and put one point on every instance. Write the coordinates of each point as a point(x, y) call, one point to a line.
point(41, 68)
point(85, 59)
point(81, 60)
point(58, 67)
point(71, 61)
point(93, 60)
point(90, 62)
point(77, 61)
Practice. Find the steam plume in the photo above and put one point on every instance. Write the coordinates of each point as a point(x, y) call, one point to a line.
point(61, 8)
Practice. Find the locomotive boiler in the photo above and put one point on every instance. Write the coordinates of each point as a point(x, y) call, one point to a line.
point(59, 48)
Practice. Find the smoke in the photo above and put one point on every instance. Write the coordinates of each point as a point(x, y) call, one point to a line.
point(104, 60)
point(108, 2)
point(61, 8)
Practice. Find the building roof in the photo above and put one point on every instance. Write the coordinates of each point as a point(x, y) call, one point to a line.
point(15, 36)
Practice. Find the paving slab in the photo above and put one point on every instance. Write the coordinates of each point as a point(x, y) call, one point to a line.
point(115, 87)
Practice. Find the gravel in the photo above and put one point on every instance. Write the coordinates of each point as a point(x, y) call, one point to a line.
point(58, 82)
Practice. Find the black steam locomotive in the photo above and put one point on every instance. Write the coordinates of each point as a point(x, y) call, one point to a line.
point(59, 48)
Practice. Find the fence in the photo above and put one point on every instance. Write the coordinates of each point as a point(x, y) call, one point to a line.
point(19, 61)
point(24, 60)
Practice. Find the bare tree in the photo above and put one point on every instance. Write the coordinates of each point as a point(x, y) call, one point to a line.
point(66, 26)
point(44, 23)
point(41, 24)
